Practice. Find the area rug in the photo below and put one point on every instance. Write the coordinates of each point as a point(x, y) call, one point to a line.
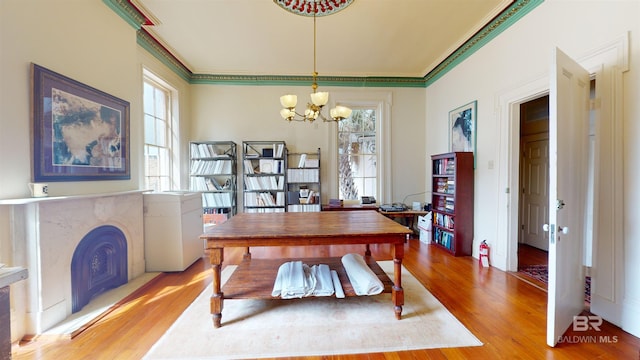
point(313, 326)
point(538, 272)
point(541, 273)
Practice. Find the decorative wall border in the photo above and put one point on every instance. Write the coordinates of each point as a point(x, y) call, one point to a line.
point(134, 17)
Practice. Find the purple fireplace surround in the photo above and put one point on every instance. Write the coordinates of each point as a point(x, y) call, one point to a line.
point(99, 264)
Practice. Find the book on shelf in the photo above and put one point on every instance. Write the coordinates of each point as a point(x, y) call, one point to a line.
point(336, 202)
point(444, 166)
point(278, 150)
point(311, 163)
point(216, 200)
point(205, 167)
point(264, 210)
point(302, 161)
point(204, 150)
point(264, 199)
point(296, 175)
point(266, 166)
point(267, 152)
point(264, 183)
point(248, 167)
point(304, 208)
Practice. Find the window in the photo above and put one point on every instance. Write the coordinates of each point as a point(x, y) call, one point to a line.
point(357, 156)
point(158, 135)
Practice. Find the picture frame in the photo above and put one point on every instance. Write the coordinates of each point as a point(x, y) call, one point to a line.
point(79, 133)
point(462, 129)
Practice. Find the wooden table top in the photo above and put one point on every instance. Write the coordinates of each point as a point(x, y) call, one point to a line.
point(404, 212)
point(305, 228)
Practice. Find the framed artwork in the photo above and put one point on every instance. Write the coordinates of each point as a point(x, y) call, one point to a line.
point(462, 129)
point(79, 133)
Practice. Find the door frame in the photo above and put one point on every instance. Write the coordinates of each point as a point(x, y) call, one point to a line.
point(614, 54)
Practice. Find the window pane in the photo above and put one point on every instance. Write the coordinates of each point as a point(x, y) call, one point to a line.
point(149, 130)
point(163, 162)
point(148, 98)
point(369, 165)
point(161, 133)
point(357, 156)
point(369, 187)
point(357, 166)
point(161, 104)
point(359, 185)
point(165, 183)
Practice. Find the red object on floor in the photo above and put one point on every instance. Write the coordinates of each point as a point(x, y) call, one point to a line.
point(484, 252)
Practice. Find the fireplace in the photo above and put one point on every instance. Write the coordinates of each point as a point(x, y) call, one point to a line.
point(98, 264)
point(93, 240)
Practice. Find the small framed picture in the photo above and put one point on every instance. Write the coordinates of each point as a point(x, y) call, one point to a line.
point(462, 129)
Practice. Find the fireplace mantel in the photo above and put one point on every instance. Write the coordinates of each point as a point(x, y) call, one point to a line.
point(44, 235)
point(31, 200)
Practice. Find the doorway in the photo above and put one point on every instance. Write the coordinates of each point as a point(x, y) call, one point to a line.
point(533, 212)
point(534, 173)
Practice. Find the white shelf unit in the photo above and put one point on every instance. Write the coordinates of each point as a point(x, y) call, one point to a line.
point(213, 173)
point(303, 181)
point(264, 166)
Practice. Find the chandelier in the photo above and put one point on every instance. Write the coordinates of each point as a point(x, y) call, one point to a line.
point(318, 98)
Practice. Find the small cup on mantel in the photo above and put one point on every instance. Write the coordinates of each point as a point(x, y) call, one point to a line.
point(39, 189)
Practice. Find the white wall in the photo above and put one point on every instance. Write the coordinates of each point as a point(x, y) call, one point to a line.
point(520, 56)
point(248, 113)
point(83, 41)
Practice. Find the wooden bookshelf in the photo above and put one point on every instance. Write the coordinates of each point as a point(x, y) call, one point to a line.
point(452, 202)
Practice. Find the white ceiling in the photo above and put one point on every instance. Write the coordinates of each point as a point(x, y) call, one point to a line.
point(386, 38)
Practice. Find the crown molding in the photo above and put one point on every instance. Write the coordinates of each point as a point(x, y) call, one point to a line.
point(135, 18)
point(500, 23)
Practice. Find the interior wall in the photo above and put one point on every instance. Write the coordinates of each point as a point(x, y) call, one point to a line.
point(85, 41)
point(522, 55)
point(250, 113)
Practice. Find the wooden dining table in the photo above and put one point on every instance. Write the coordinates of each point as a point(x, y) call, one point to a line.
point(254, 278)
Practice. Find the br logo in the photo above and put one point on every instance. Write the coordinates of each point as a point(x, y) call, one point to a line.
point(584, 322)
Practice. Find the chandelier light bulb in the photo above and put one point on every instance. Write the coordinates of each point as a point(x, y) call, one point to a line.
point(340, 113)
point(287, 114)
point(289, 101)
point(320, 98)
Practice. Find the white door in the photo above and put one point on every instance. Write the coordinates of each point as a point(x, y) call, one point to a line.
point(568, 153)
point(535, 190)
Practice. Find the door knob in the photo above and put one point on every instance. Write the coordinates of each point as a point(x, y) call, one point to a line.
point(563, 229)
point(545, 227)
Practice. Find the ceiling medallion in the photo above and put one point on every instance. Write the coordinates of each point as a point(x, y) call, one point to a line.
point(309, 7)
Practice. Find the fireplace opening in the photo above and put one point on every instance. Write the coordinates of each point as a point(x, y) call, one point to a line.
point(99, 264)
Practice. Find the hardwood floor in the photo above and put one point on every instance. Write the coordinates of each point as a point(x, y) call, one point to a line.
point(508, 315)
point(529, 255)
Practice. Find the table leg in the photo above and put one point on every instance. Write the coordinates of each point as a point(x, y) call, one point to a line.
point(247, 254)
point(216, 257)
point(397, 293)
